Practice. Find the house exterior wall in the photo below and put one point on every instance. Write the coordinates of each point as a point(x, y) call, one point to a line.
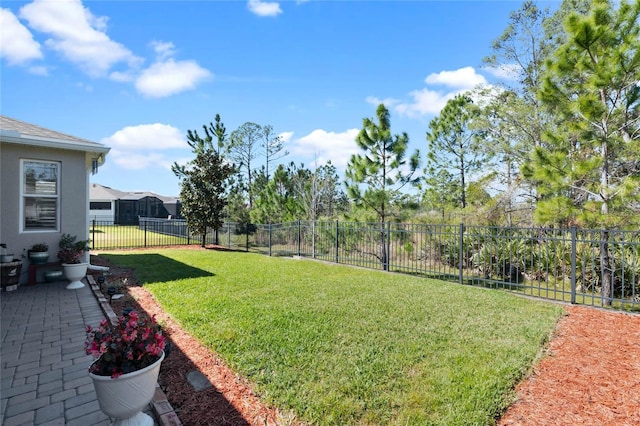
point(103, 216)
point(73, 201)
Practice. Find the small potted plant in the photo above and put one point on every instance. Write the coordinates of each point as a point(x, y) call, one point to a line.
point(128, 357)
point(38, 254)
point(72, 254)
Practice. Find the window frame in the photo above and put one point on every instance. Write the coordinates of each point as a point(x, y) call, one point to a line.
point(25, 196)
point(104, 205)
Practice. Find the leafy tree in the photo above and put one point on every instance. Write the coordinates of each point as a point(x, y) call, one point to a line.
point(508, 141)
point(592, 85)
point(520, 53)
point(273, 147)
point(454, 145)
point(321, 193)
point(516, 118)
point(202, 193)
point(244, 149)
point(381, 170)
point(278, 202)
point(592, 175)
point(439, 191)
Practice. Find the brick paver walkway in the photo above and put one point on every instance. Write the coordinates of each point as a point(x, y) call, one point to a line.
point(43, 367)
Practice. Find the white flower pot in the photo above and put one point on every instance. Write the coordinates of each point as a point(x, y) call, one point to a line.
point(124, 397)
point(75, 272)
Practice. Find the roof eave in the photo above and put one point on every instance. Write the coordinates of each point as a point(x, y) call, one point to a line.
point(53, 143)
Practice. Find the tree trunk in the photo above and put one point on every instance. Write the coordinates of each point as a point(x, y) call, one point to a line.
point(383, 252)
point(607, 272)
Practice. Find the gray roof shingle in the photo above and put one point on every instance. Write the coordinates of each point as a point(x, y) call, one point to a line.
point(28, 130)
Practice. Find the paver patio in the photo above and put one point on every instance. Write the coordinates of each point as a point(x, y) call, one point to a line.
point(43, 366)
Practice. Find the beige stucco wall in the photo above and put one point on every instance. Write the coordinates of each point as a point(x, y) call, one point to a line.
point(74, 199)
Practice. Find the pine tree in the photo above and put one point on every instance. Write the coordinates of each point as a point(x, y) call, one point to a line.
point(591, 176)
point(381, 170)
point(454, 145)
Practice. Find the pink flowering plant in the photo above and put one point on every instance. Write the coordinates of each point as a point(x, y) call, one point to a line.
point(72, 250)
point(130, 346)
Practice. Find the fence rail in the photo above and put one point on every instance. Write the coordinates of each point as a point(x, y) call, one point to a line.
point(592, 267)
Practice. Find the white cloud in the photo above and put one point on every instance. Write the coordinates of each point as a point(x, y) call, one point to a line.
point(425, 101)
point(429, 101)
point(84, 86)
point(81, 38)
point(321, 146)
point(164, 50)
point(17, 45)
point(77, 35)
point(264, 8)
point(463, 78)
point(122, 76)
point(146, 137)
point(285, 137)
point(142, 146)
point(170, 77)
point(39, 70)
point(138, 161)
point(388, 102)
point(508, 72)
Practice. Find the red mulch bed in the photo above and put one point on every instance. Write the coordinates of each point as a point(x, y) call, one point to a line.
point(590, 374)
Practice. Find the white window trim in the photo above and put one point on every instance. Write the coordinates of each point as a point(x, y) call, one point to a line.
point(23, 196)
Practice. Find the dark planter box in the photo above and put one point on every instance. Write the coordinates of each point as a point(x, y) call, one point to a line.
point(10, 276)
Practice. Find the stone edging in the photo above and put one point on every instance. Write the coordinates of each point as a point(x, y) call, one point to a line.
point(162, 409)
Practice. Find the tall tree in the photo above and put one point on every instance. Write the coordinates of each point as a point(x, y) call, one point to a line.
point(439, 191)
point(592, 85)
point(202, 193)
point(454, 144)
point(592, 176)
point(382, 170)
point(220, 132)
point(244, 149)
point(273, 147)
point(508, 141)
point(321, 193)
point(278, 201)
point(516, 118)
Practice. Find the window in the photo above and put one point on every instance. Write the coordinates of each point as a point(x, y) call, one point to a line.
point(40, 195)
point(100, 205)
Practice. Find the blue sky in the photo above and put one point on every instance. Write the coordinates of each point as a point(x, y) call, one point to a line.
point(136, 75)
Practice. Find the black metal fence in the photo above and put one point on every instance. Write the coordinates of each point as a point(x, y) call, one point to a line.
point(593, 267)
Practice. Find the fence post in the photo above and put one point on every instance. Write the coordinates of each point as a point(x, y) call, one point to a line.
point(337, 243)
point(313, 239)
point(228, 234)
point(246, 230)
point(299, 237)
point(461, 254)
point(93, 234)
point(269, 239)
point(388, 247)
point(573, 265)
point(145, 233)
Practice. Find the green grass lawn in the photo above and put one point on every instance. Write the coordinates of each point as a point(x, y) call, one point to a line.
point(109, 237)
point(341, 345)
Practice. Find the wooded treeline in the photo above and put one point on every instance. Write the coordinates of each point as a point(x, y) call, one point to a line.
point(557, 143)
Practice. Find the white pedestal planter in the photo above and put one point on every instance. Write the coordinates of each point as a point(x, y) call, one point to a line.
point(125, 397)
point(75, 272)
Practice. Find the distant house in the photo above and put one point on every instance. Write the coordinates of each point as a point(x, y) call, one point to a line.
point(44, 190)
point(124, 208)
